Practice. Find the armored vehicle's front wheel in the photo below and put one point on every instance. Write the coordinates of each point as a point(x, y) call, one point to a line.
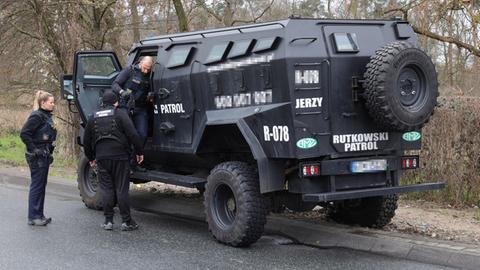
point(401, 87)
point(370, 212)
point(88, 185)
point(235, 209)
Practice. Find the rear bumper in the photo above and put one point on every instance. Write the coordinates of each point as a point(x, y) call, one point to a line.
point(370, 192)
point(342, 166)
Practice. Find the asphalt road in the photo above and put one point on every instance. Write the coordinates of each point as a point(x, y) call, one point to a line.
point(75, 241)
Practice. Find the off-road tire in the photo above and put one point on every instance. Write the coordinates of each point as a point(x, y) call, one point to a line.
point(401, 87)
point(88, 185)
point(242, 223)
point(375, 212)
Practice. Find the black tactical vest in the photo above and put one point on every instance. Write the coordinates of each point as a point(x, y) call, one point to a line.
point(46, 132)
point(105, 127)
point(139, 84)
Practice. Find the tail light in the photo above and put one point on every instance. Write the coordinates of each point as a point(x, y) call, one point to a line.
point(410, 162)
point(310, 170)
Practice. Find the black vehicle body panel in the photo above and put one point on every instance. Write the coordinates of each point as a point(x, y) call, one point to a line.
point(260, 105)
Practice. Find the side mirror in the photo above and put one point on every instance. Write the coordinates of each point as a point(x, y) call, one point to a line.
point(66, 91)
point(66, 88)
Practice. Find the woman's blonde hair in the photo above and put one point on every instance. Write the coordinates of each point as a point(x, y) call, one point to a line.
point(40, 96)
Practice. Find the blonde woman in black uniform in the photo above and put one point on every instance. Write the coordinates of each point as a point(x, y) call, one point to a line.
point(39, 135)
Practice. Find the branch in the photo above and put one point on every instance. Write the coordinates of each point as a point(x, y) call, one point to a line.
point(209, 10)
point(264, 11)
point(103, 38)
point(405, 8)
point(64, 120)
point(20, 30)
point(451, 40)
point(255, 19)
point(460, 44)
point(403, 11)
point(106, 8)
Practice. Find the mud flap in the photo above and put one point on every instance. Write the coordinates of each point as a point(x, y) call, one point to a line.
point(271, 174)
point(270, 171)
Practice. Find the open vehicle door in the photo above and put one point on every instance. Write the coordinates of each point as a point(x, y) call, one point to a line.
point(93, 74)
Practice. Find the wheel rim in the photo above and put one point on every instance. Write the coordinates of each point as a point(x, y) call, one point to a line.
point(225, 206)
point(91, 181)
point(411, 88)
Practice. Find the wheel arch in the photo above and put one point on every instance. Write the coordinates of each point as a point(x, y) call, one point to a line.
point(270, 171)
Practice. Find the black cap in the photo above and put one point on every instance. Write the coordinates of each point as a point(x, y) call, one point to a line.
point(109, 98)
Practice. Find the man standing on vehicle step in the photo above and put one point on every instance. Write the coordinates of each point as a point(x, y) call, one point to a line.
point(107, 139)
point(132, 85)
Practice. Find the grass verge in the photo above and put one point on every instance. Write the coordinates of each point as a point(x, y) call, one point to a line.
point(12, 152)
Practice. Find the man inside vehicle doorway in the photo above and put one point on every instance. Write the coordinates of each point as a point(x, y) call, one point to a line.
point(132, 85)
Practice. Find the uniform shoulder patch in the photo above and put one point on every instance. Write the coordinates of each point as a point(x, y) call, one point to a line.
point(104, 113)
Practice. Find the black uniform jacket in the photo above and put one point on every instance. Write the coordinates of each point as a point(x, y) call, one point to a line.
point(122, 78)
point(109, 148)
point(30, 130)
point(132, 78)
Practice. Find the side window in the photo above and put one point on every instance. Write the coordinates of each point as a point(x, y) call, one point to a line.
point(218, 52)
point(265, 44)
point(143, 52)
point(345, 42)
point(179, 56)
point(93, 72)
point(97, 66)
point(240, 48)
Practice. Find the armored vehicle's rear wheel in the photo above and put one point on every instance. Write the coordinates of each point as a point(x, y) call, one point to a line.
point(88, 185)
point(235, 209)
point(401, 87)
point(370, 212)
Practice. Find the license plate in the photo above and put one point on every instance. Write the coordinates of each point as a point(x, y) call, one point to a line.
point(367, 166)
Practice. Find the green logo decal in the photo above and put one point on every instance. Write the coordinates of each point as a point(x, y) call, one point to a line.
point(306, 143)
point(412, 136)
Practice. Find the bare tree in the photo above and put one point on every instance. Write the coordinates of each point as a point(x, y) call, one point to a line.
point(92, 17)
point(135, 20)
point(444, 12)
point(182, 18)
point(224, 11)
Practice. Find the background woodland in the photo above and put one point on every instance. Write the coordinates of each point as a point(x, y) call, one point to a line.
point(38, 39)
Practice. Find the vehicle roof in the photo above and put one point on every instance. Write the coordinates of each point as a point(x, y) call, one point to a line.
point(251, 28)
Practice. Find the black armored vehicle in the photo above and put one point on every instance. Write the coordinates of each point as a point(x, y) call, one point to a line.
point(292, 113)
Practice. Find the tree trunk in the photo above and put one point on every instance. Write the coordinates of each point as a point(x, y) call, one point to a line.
point(115, 33)
point(228, 13)
point(48, 35)
point(353, 9)
point(329, 8)
point(135, 20)
point(182, 18)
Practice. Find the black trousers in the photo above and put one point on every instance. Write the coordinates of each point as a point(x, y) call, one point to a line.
point(115, 183)
point(39, 173)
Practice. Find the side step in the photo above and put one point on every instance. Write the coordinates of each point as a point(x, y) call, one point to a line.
point(370, 192)
point(170, 178)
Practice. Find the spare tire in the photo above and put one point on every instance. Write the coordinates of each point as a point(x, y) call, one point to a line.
point(401, 87)
point(375, 212)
